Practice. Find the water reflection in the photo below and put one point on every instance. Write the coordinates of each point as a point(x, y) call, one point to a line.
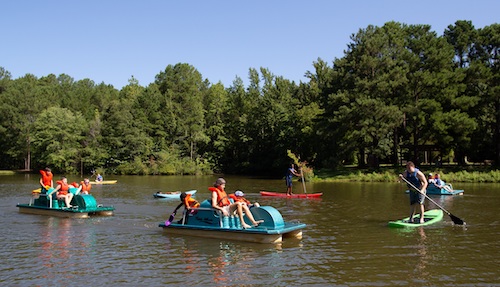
point(56, 247)
point(423, 257)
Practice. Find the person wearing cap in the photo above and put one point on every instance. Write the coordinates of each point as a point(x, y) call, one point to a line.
point(220, 201)
point(430, 178)
point(239, 196)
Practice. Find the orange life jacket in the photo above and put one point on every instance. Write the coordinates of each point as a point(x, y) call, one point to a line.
point(85, 187)
point(64, 188)
point(239, 199)
point(46, 177)
point(190, 202)
point(222, 199)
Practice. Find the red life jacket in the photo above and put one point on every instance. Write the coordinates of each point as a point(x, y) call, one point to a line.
point(222, 199)
point(85, 187)
point(239, 199)
point(46, 177)
point(64, 188)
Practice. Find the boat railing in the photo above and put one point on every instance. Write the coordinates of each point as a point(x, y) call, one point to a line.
point(48, 195)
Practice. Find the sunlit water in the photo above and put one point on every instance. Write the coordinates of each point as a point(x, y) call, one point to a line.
point(346, 241)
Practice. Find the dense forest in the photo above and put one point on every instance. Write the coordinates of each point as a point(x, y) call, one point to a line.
point(400, 92)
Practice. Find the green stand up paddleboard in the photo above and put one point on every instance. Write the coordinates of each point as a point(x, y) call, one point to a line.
point(430, 217)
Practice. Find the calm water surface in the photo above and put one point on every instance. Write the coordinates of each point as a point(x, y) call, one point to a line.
point(346, 242)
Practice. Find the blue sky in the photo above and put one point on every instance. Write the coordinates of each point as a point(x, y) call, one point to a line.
point(109, 40)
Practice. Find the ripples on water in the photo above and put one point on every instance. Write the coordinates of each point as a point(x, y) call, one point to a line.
point(346, 242)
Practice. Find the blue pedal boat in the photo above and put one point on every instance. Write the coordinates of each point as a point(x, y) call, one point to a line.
point(43, 202)
point(206, 221)
point(432, 189)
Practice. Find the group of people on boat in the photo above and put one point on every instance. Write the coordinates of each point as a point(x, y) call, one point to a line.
point(437, 182)
point(62, 188)
point(239, 205)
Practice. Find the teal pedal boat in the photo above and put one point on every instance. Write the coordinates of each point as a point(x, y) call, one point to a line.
point(432, 189)
point(43, 202)
point(206, 221)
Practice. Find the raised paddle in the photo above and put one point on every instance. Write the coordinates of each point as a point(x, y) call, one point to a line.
point(171, 218)
point(455, 219)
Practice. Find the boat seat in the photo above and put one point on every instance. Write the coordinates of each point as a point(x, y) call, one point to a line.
point(48, 195)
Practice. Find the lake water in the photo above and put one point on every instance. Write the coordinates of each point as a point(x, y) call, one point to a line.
point(346, 241)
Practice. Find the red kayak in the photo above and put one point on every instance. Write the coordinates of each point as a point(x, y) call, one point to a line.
point(295, 195)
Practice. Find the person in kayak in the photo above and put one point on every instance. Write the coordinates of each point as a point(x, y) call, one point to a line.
point(221, 201)
point(417, 178)
point(288, 178)
point(99, 178)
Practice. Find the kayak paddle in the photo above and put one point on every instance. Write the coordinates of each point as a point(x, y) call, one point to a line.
point(455, 219)
point(171, 218)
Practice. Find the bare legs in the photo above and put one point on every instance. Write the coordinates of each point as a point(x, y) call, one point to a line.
point(67, 199)
point(413, 208)
point(242, 209)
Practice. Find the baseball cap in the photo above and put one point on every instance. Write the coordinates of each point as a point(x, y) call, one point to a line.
point(239, 193)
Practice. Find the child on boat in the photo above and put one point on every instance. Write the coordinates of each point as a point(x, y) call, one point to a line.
point(188, 201)
point(441, 184)
point(239, 196)
point(86, 186)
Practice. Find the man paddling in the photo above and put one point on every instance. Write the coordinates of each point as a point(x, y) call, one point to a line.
point(417, 178)
point(290, 172)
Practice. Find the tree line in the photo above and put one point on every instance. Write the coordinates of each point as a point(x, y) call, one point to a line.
point(398, 91)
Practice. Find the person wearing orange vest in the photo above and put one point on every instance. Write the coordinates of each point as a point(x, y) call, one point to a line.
point(86, 186)
point(188, 201)
point(239, 196)
point(62, 191)
point(220, 201)
point(46, 180)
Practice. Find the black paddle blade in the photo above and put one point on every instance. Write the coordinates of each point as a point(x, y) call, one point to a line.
point(456, 220)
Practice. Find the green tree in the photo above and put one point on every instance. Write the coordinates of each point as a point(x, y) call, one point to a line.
point(216, 110)
point(57, 137)
point(21, 104)
point(184, 89)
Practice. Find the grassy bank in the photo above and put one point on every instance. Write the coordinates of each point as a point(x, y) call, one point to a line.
point(7, 172)
point(451, 174)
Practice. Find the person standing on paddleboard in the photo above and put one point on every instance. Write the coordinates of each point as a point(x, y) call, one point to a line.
point(417, 178)
point(288, 178)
